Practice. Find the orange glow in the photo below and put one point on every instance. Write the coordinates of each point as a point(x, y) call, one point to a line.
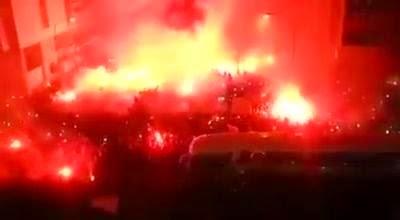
point(15, 144)
point(270, 59)
point(65, 172)
point(292, 106)
point(263, 22)
point(249, 64)
point(252, 63)
point(67, 96)
point(187, 88)
point(161, 57)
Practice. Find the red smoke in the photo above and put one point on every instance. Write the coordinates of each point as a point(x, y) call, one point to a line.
point(184, 15)
point(176, 45)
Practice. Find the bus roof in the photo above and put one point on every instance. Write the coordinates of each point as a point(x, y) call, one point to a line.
point(278, 142)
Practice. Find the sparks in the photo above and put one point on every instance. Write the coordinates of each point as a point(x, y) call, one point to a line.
point(157, 141)
point(158, 138)
point(292, 106)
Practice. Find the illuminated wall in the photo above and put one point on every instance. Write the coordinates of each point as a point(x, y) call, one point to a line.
point(370, 44)
point(12, 81)
point(37, 22)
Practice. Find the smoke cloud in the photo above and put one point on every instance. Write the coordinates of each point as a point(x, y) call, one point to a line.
point(176, 43)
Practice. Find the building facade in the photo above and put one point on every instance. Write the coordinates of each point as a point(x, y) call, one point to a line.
point(36, 36)
point(370, 43)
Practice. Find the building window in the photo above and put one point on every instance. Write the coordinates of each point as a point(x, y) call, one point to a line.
point(365, 6)
point(4, 45)
point(33, 56)
point(72, 7)
point(358, 6)
point(44, 16)
point(68, 9)
point(369, 22)
point(363, 39)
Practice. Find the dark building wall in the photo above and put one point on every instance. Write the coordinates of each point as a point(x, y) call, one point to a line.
point(371, 29)
point(372, 23)
point(370, 50)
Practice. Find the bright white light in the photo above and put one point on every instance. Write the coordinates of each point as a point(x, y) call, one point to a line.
point(292, 106)
point(15, 144)
point(158, 138)
point(65, 172)
point(68, 96)
point(187, 88)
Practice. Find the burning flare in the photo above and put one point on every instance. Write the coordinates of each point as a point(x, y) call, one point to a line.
point(292, 106)
point(66, 97)
point(160, 56)
point(16, 144)
point(178, 51)
point(65, 172)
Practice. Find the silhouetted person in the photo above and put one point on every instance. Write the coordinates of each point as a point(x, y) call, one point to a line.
point(133, 190)
point(135, 167)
